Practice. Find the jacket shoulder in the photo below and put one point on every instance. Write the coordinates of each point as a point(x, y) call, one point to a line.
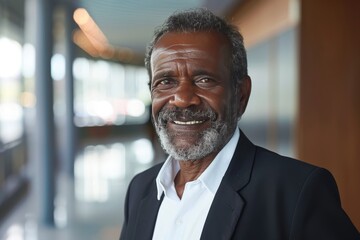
point(146, 177)
point(277, 165)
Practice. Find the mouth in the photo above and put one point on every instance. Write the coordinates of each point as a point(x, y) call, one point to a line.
point(188, 122)
point(186, 119)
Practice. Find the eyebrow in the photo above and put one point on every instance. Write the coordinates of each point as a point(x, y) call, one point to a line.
point(170, 73)
point(167, 73)
point(201, 72)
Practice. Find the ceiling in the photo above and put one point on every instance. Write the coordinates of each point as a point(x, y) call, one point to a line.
point(130, 23)
point(126, 24)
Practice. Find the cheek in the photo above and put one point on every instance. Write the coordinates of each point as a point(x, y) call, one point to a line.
point(158, 102)
point(218, 101)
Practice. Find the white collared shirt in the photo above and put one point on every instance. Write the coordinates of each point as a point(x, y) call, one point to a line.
point(185, 218)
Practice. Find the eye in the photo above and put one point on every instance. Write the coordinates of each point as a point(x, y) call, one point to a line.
point(205, 82)
point(163, 84)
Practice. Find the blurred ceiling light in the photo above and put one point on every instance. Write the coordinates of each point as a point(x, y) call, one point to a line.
point(83, 42)
point(93, 41)
point(92, 32)
point(88, 25)
point(81, 16)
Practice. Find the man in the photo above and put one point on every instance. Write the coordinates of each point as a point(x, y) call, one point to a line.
point(216, 184)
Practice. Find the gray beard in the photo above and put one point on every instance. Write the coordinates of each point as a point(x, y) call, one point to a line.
point(211, 140)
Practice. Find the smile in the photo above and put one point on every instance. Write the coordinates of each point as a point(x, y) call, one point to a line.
point(188, 122)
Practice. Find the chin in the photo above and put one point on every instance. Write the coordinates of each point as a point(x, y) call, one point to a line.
point(205, 143)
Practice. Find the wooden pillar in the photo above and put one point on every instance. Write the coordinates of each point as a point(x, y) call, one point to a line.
point(328, 131)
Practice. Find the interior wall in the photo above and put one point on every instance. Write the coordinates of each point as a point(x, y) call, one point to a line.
point(328, 111)
point(329, 105)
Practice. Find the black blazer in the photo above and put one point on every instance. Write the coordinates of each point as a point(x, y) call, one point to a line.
point(262, 196)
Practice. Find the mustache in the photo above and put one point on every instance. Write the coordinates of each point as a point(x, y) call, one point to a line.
point(176, 113)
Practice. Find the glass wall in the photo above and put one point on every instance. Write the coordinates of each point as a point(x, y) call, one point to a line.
point(108, 93)
point(12, 146)
point(271, 112)
point(11, 126)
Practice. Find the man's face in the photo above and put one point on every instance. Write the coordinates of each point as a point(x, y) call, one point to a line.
point(194, 105)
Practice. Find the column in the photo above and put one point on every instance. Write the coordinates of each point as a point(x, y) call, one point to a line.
point(70, 135)
point(44, 134)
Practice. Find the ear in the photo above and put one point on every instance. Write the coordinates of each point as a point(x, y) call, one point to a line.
point(244, 89)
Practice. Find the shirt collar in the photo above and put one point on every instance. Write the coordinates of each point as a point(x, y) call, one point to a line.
point(211, 177)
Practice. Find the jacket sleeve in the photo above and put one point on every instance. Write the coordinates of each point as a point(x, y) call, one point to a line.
point(318, 213)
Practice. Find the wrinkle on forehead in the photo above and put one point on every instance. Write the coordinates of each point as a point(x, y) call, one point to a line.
point(169, 54)
point(190, 49)
point(187, 52)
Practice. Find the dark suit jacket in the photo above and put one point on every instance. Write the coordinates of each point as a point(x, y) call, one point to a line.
point(262, 196)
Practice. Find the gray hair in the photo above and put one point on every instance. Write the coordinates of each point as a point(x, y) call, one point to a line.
point(198, 20)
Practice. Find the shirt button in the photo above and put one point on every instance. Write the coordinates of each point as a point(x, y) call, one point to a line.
point(179, 221)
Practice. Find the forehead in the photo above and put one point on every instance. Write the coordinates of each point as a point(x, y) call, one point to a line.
point(191, 44)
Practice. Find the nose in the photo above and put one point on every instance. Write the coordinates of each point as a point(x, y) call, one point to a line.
point(185, 96)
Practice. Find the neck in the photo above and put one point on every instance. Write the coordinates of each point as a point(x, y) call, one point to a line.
point(190, 171)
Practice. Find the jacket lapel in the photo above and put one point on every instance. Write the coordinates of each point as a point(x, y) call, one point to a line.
point(228, 204)
point(147, 214)
point(223, 215)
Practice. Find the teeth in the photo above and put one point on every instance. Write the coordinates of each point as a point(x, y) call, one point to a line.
point(188, 123)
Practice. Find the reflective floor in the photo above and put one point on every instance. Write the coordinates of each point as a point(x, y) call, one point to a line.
point(90, 206)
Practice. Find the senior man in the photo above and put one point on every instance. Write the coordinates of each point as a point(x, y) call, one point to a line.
point(215, 183)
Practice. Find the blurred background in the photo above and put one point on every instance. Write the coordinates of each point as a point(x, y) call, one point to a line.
point(75, 107)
